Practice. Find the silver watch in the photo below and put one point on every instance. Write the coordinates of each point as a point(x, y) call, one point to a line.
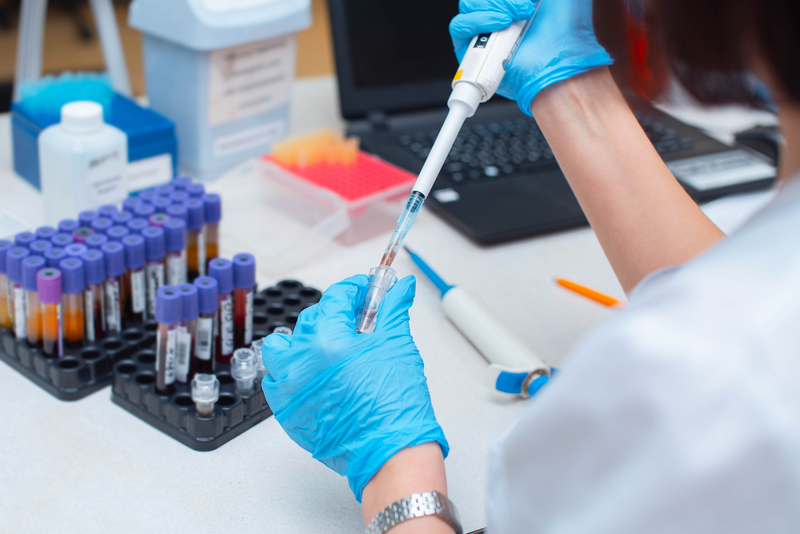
point(416, 505)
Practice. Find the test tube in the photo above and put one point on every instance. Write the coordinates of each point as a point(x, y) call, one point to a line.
point(158, 219)
point(101, 225)
point(178, 211)
point(137, 224)
point(45, 232)
point(39, 247)
point(115, 290)
point(186, 334)
point(61, 240)
point(48, 286)
point(75, 249)
point(168, 315)
point(5, 288)
point(161, 204)
point(81, 233)
point(53, 257)
point(205, 393)
point(135, 279)
point(175, 244)
point(107, 210)
point(244, 281)
point(96, 241)
point(181, 183)
point(164, 190)
point(154, 269)
point(85, 218)
point(73, 282)
point(24, 239)
point(148, 196)
point(195, 239)
point(222, 271)
point(143, 210)
point(116, 233)
point(179, 197)
point(243, 370)
point(33, 306)
point(129, 204)
point(16, 293)
point(94, 302)
point(261, 371)
point(212, 205)
point(67, 226)
point(207, 303)
point(196, 190)
point(121, 218)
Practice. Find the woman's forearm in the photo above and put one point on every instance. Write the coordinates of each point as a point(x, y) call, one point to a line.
point(641, 215)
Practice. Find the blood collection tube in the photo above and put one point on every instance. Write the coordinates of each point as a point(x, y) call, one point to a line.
point(16, 293)
point(73, 282)
point(129, 204)
point(39, 247)
point(94, 302)
point(161, 204)
point(48, 286)
point(175, 244)
point(101, 225)
point(158, 219)
point(244, 370)
point(181, 183)
point(53, 257)
point(121, 218)
point(81, 233)
point(45, 232)
point(164, 190)
point(143, 210)
point(24, 239)
point(75, 249)
point(5, 311)
point(178, 211)
point(115, 290)
point(212, 206)
point(195, 239)
point(179, 197)
point(61, 240)
point(196, 190)
point(135, 280)
point(33, 307)
point(116, 233)
point(147, 196)
point(205, 394)
point(168, 315)
point(222, 271)
point(96, 241)
point(207, 304)
point(154, 269)
point(137, 224)
point(85, 218)
point(186, 333)
point(244, 281)
point(67, 226)
point(107, 210)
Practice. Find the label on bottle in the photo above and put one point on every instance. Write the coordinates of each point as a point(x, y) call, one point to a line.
point(88, 314)
point(155, 279)
point(138, 298)
point(176, 269)
point(248, 319)
point(20, 318)
point(169, 359)
point(201, 252)
point(105, 178)
point(149, 172)
point(113, 313)
point(226, 324)
point(204, 335)
point(183, 341)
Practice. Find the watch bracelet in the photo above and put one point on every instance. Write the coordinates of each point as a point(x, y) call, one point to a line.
point(431, 503)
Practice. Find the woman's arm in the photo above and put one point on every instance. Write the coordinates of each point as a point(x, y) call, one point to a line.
point(641, 215)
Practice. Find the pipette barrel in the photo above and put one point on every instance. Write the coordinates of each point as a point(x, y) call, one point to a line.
point(381, 280)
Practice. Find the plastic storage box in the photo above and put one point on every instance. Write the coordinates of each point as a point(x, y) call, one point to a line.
point(222, 71)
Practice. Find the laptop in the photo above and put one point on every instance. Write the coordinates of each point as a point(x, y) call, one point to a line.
point(395, 64)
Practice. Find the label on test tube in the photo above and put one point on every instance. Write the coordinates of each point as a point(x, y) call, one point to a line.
point(155, 279)
point(88, 314)
point(201, 252)
point(60, 326)
point(176, 269)
point(248, 319)
point(226, 325)
point(113, 315)
point(10, 298)
point(20, 322)
point(205, 333)
point(183, 346)
point(138, 299)
point(169, 375)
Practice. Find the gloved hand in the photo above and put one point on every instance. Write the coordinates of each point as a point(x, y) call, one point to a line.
point(559, 44)
point(352, 400)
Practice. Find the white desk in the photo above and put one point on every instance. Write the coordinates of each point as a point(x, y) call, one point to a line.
point(89, 466)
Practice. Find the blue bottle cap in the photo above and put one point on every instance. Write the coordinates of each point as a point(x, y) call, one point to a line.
point(144, 210)
point(45, 232)
point(168, 305)
point(222, 270)
point(165, 190)
point(5, 246)
point(196, 190)
point(40, 246)
point(14, 258)
point(195, 214)
point(175, 235)
point(101, 225)
point(31, 266)
point(189, 302)
point(24, 239)
point(121, 218)
point(75, 249)
point(94, 266)
point(62, 240)
point(181, 182)
point(129, 204)
point(116, 233)
point(54, 256)
point(134, 251)
point(161, 204)
point(107, 210)
point(68, 226)
point(207, 294)
point(179, 197)
point(244, 270)
point(148, 196)
point(72, 275)
point(177, 211)
point(213, 207)
point(137, 225)
point(115, 258)
point(86, 217)
point(81, 233)
point(153, 243)
point(96, 241)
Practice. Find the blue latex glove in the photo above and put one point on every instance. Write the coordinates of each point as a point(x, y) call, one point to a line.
point(352, 400)
point(559, 44)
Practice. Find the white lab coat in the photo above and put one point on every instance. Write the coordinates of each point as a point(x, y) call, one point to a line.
point(681, 413)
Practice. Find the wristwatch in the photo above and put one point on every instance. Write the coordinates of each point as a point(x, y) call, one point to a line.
point(416, 505)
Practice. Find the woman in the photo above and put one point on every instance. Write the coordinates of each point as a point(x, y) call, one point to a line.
point(682, 412)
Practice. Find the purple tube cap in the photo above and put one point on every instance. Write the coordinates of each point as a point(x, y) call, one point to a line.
point(75, 249)
point(196, 190)
point(148, 196)
point(244, 270)
point(62, 240)
point(14, 258)
point(165, 190)
point(189, 303)
point(107, 210)
point(178, 211)
point(40, 246)
point(80, 234)
point(207, 294)
point(96, 241)
point(168, 305)
point(129, 204)
point(222, 270)
point(179, 197)
point(94, 266)
point(137, 225)
point(86, 217)
point(195, 214)
point(5, 246)
point(102, 224)
point(182, 182)
point(45, 232)
point(54, 256)
point(115, 233)
point(144, 210)
point(213, 207)
point(154, 248)
point(175, 235)
point(30, 266)
point(23, 239)
point(115, 258)
point(48, 284)
point(72, 275)
point(68, 225)
point(121, 218)
point(134, 251)
point(161, 204)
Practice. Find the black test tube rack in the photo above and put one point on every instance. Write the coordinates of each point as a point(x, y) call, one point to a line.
point(175, 414)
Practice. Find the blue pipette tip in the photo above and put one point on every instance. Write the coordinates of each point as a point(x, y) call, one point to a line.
point(440, 284)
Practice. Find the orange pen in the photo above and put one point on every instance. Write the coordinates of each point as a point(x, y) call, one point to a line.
point(589, 293)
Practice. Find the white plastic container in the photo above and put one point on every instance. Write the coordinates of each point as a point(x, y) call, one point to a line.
point(222, 71)
point(82, 161)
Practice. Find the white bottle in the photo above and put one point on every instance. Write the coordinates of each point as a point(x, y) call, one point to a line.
point(82, 162)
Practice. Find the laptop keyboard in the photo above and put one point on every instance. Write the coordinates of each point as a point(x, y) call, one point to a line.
point(486, 151)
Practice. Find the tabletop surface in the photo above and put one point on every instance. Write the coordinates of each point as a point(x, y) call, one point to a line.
point(89, 466)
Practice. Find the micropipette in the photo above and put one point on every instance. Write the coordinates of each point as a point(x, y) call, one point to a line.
point(478, 77)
